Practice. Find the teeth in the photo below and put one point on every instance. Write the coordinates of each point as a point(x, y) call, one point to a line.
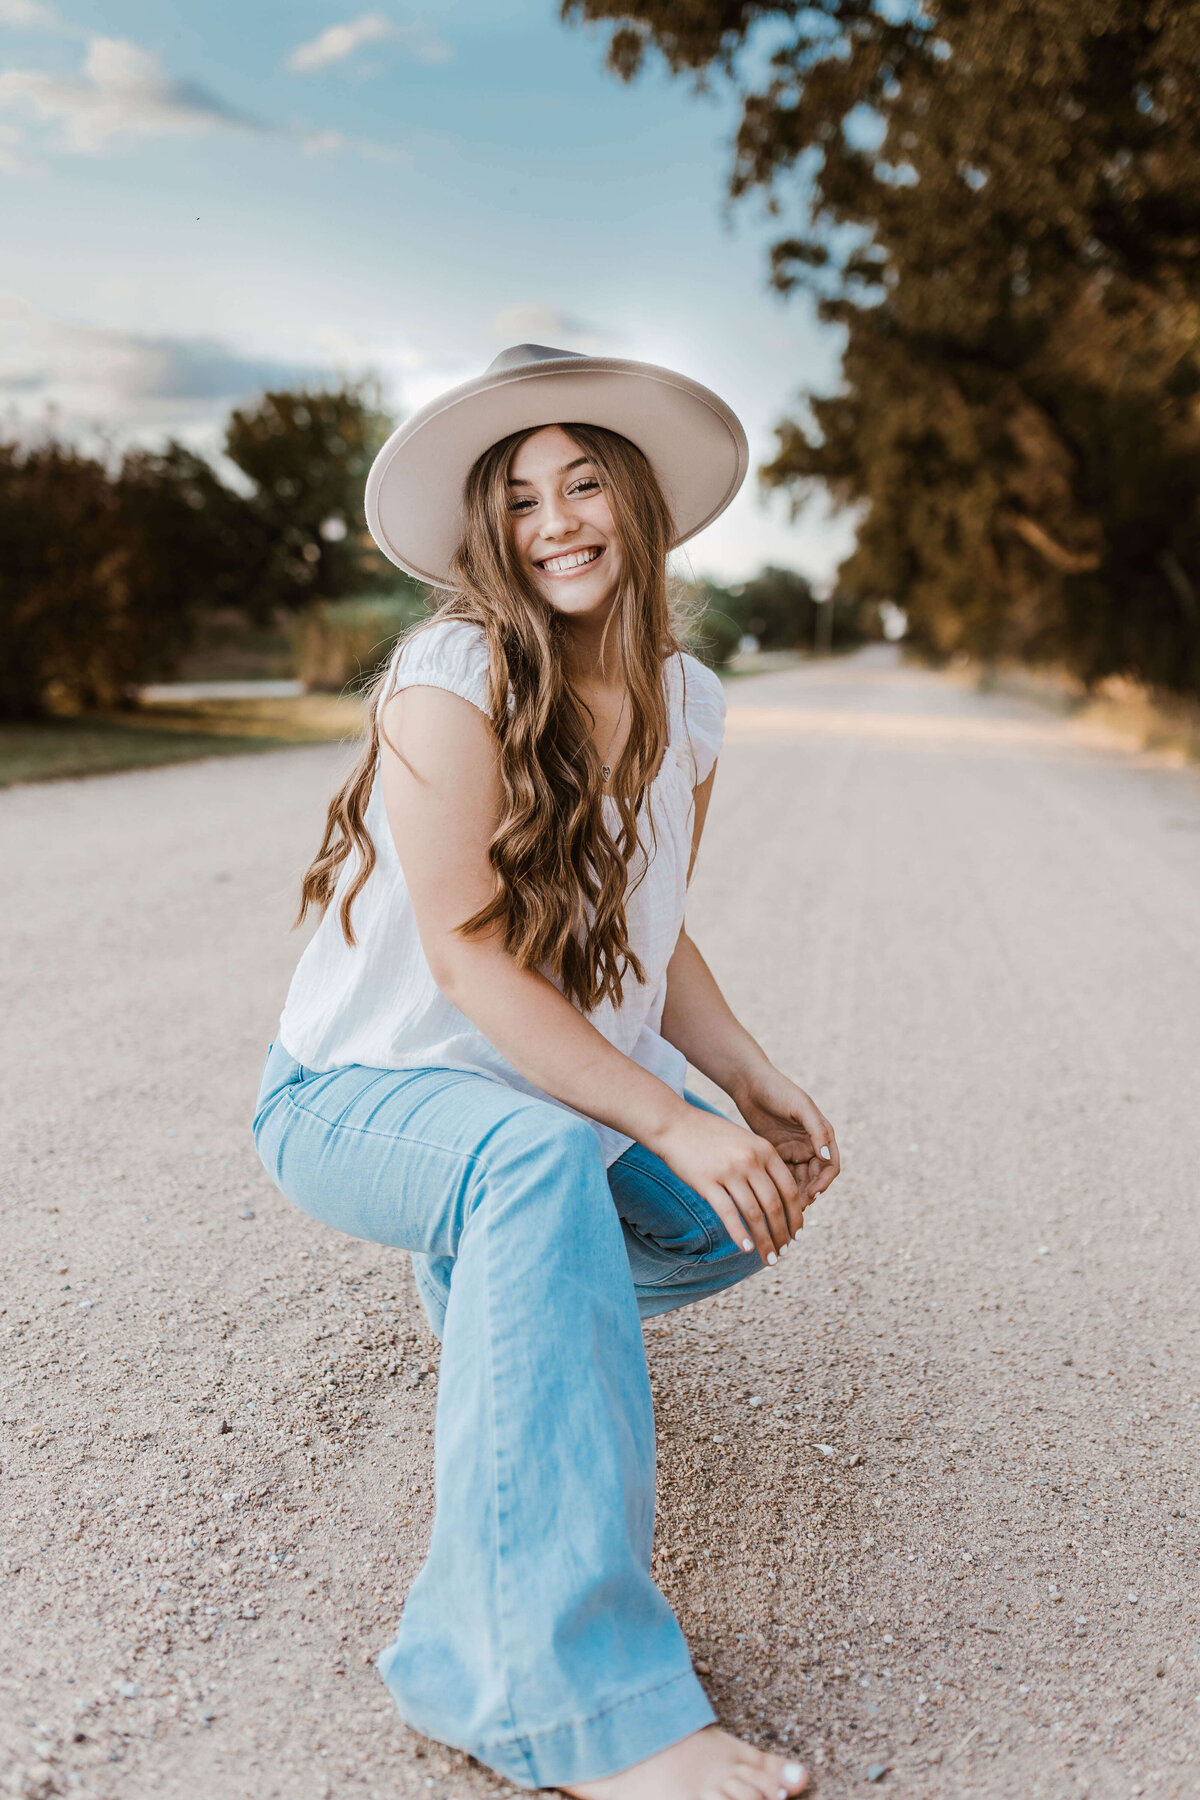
point(556, 564)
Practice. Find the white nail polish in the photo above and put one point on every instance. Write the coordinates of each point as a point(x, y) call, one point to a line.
point(793, 1772)
point(771, 1257)
point(746, 1244)
point(825, 1152)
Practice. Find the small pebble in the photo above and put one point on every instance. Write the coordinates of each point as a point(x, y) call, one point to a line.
point(247, 1212)
point(877, 1771)
point(128, 1690)
point(756, 1399)
point(1132, 1599)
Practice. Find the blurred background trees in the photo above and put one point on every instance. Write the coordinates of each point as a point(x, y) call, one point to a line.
point(108, 567)
point(777, 610)
point(306, 456)
point(103, 570)
point(999, 201)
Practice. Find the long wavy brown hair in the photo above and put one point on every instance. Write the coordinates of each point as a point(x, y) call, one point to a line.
point(562, 877)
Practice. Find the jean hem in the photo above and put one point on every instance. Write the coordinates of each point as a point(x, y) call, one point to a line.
point(625, 1732)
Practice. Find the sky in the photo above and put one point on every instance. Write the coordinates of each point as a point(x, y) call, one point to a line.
point(199, 199)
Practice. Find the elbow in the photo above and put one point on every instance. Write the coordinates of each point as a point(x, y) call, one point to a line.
point(454, 965)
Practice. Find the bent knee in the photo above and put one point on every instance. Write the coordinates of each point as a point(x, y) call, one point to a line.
point(543, 1130)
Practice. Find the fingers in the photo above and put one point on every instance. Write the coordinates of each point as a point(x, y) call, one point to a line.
point(768, 1198)
point(828, 1159)
point(737, 1227)
point(818, 1128)
point(828, 1168)
point(749, 1208)
point(765, 1195)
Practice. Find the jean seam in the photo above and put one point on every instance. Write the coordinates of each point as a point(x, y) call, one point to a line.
point(391, 1137)
point(503, 1613)
point(578, 1724)
point(710, 1241)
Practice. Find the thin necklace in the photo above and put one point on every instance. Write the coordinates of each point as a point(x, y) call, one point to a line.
point(606, 768)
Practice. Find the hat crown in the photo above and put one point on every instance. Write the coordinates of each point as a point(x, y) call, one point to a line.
point(519, 354)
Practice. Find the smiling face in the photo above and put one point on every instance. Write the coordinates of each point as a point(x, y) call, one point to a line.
point(563, 530)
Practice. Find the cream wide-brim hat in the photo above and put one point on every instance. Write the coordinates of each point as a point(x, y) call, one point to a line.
point(693, 441)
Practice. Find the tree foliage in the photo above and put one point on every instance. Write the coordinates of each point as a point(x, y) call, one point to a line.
point(999, 202)
point(103, 570)
point(105, 567)
point(307, 455)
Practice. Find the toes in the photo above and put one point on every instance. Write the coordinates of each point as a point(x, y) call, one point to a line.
point(775, 1780)
point(738, 1787)
point(756, 1780)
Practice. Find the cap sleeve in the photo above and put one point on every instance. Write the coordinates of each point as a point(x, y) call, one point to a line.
point(448, 653)
point(700, 711)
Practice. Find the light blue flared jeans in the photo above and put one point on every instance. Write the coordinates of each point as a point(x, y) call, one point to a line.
point(534, 1637)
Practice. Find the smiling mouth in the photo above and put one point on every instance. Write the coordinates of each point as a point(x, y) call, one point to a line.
point(571, 560)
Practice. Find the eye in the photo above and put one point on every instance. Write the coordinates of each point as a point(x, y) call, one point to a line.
point(521, 505)
point(587, 484)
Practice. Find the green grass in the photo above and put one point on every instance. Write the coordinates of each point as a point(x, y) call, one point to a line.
point(56, 749)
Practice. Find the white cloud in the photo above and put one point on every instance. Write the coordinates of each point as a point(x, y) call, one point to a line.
point(11, 160)
point(337, 42)
point(538, 323)
point(29, 15)
point(123, 91)
point(125, 380)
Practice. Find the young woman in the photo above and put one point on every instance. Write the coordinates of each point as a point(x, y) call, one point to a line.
point(482, 1055)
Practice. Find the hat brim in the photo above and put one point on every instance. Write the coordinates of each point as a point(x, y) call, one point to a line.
point(693, 441)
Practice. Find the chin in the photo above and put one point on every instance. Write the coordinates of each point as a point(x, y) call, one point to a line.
point(577, 596)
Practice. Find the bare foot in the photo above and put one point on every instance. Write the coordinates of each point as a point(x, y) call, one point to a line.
point(709, 1765)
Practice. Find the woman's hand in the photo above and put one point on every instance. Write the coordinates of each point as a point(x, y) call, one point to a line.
point(742, 1176)
point(776, 1109)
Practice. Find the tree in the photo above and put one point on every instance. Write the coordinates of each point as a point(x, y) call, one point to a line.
point(307, 454)
point(778, 608)
point(103, 570)
point(716, 621)
point(999, 202)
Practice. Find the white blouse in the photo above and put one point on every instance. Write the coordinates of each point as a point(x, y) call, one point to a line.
point(376, 1002)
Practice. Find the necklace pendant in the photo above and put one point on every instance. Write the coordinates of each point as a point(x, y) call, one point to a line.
point(605, 771)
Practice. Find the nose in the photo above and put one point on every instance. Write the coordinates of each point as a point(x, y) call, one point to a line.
point(559, 518)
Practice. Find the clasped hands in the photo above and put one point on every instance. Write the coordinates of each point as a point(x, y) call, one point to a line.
point(760, 1182)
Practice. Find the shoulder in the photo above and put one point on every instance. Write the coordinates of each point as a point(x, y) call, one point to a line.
point(696, 695)
point(445, 653)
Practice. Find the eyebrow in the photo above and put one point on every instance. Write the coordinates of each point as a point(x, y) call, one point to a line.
point(518, 481)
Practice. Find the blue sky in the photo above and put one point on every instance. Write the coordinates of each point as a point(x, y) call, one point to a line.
point(199, 198)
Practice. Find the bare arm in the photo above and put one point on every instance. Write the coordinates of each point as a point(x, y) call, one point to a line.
point(699, 1021)
point(443, 796)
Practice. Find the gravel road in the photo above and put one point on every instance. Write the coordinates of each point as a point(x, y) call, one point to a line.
point(928, 1491)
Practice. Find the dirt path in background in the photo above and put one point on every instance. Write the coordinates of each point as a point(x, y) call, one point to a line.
point(929, 1490)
